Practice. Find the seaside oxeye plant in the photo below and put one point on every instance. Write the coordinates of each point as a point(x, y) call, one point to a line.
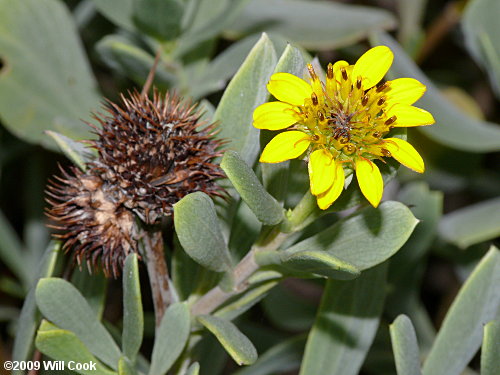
point(234, 209)
point(343, 123)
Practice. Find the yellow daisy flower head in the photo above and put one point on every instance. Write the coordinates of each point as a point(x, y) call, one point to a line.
point(343, 122)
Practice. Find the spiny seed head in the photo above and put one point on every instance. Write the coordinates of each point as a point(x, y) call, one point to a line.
point(156, 152)
point(91, 220)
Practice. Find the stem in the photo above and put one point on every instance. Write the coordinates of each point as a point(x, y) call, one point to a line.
point(245, 268)
point(158, 273)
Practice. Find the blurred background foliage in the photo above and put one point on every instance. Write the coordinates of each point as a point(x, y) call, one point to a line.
point(59, 59)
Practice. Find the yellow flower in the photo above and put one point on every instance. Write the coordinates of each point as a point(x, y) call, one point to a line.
point(342, 123)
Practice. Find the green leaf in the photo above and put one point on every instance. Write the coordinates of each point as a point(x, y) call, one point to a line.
point(125, 367)
point(365, 239)
point(314, 25)
point(133, 315)
point(490, 352)
point(159, 18)
point(275, 175)
point(239, 347)
point(472, 224)
point(244, 93)
point(461, 332)
point(61, 303)
point(405, 346)
point(263, 205)
point(453, 128)
point(11, 250)
point(194, 369)
point(93, 288)
point(75, 151)
point(29, 319)
point(346, 324)
point(117, 11)
point(41, 51)
point(63, 345)
point(170, 338)
point(309, 261)
point(282, 358)
point(121, 55)
point(480, 27)
point(197, 227)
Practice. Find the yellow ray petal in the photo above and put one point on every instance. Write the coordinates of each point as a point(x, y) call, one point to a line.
point(285, 146)
point(372, 66)
point(274, 116)
point(369, 180)
point(326, 199)
point(404, 90)
point(289, 89)
point(405, 153)
point(407, 115)
point(321, 171)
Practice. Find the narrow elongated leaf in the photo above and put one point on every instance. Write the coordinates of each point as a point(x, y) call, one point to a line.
point(117, 11)
point(77, 152)
point(40, 49)
point(11, 250)
point(92, 287)
point(61, 303)
point(236, 343)
point(282, 358)
point(460, 335)
point(244, 93)
point(159, 18)
point(197, 227)
point(275, 175)
point(453, 128)
point(490, 352)
point(29, 319)
point(365, 239)
point(125, 367)
point(263, 205)
point(472, 224)
point(63, 345)
point(346, 324)
point(133, 315)
point(194, 369)
point(480, 26)
point(405, 346)
point(170, 338)
point(313, 25)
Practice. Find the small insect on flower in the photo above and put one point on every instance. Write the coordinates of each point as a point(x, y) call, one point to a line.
point(342, 122)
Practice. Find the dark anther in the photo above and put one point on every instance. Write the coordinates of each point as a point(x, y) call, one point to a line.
point(350, 148)
point(329, 72)
point(386, 152)
point(377, 134)
point(314, 98)
point(383, 87)
point(315, 137)
point(344, 140)
point(391, 120)
point(321, 116)
point(312, 73)
point(344, 73)
point(364, 101)
point(358, 83)
point(381, 101)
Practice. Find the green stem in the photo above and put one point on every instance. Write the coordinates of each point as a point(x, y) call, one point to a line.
point(302, 215)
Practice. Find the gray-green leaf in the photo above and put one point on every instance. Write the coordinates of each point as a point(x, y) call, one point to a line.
point(159, 18)
point(405, 346)
point(244, 93)
point(197, 227)
point(239, 347)
point(461, 332)
point(62, 304)
point(46, 82)
point(133, 315)
point(77, 152)
point(170, 338)
point(346, 324)
point(263, 205)
point(490, 352)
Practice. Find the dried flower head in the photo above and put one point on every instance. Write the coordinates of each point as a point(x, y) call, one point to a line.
point(156, 152)
point(343, 122)
point(92, 221)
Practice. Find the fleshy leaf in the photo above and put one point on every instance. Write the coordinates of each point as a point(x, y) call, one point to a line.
point(405, 346)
